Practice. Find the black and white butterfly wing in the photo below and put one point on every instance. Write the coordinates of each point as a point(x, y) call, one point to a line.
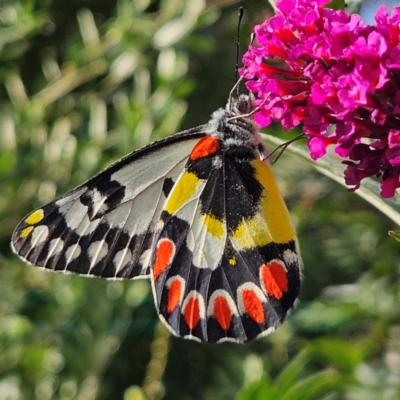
point(105, 227)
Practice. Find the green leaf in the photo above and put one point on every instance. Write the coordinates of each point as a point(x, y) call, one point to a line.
point(344, 354)
point(313, 387)
point(290, 374)
point(261, 390)
point(336, 5)
point(289, 385)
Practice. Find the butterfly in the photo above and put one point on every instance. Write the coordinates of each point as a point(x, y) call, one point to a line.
point(199, 213)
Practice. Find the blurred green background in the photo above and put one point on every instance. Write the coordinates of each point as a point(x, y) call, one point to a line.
point(83, 83)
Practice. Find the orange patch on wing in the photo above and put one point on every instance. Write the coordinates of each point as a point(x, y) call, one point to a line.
point(165, 252)
point(274, 278)
point(192, 312)
point(205, 147)
point(174, 295)
point(222, 312)
point(253, 306)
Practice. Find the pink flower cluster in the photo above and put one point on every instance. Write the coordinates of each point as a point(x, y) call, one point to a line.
point(337, 76)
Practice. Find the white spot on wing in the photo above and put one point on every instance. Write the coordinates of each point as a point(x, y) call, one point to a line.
point(97, 251)
point(290, 257)
point(72, 252)
point(190, 243)
point(56, 245)
point(98, 199)
point(74, 215)
point(39, 235)
point(121, 259)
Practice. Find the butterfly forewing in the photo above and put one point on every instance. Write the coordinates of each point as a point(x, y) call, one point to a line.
point(105, 227)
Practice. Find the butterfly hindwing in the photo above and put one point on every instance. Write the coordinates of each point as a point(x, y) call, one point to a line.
point(221, 270)
point(105, 227)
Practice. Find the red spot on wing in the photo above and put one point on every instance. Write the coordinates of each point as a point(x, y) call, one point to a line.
point(222, 312)
point(164, 254)
point(205, 147)
point(192, 312)
point(274, 278)
point(253, 306)
point(174, 295)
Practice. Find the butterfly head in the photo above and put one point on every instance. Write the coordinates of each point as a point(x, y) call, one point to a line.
point(241, 106)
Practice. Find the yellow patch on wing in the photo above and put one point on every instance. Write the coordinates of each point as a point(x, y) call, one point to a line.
point(213, 225)
point(182, 192)
point(273, 207)
point(35, 217)
point(272, 221)
point(252, 232)
point(25, 232)
point(232, 261)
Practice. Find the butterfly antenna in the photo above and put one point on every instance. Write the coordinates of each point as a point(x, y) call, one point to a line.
point(238, 78)
point(240, 16)
point(281, 148)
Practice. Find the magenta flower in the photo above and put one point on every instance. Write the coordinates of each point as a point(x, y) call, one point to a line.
point(340, 79)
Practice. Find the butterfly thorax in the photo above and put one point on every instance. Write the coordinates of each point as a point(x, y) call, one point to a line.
point(234, 126)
